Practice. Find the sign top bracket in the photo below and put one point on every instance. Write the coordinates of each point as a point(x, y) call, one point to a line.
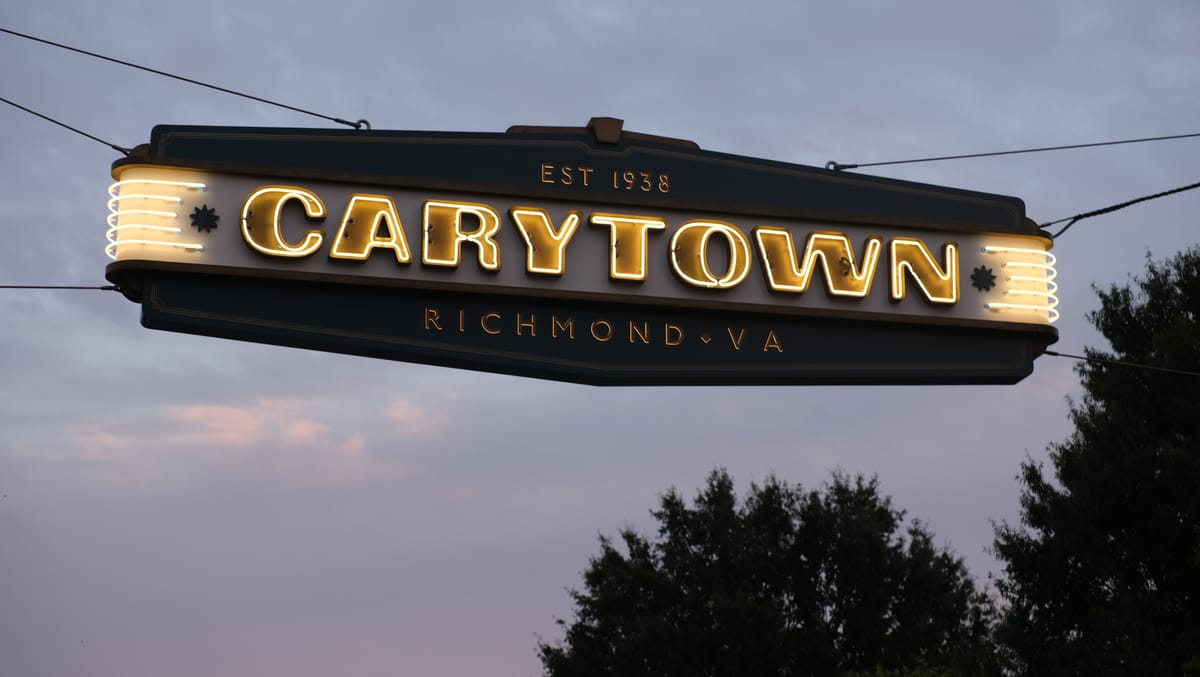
point(606, 130)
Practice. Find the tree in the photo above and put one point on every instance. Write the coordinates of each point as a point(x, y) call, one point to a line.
point(1103, 574)
point(785, 583)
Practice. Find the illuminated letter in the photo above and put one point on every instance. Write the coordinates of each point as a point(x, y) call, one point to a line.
point(938, 284)
point(629, 238)
point(783, 274)
point(366, 213)
point(689, 254)
point(444, 234)
point(261, 215)
point(544, 243)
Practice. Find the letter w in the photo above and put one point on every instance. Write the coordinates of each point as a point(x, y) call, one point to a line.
point(843, 276)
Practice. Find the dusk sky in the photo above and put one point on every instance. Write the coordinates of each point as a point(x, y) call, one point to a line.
point(188, 506)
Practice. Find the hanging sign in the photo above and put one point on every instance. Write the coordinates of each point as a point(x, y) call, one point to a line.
point(582, 254)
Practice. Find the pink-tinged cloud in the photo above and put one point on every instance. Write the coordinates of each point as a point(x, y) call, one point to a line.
point(99, 443)
point(414, 419)
point(350, 461)
point(220, 425)
point(263, 435)
point(305, 431)
point(264, 421)
point(356, 445)
point(113, 455)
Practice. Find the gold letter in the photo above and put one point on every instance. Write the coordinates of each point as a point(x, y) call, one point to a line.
point(529, 324)
point(431, 318)
point(689, 254)
point(668, 328)
point(261, 215)
point(643, 335)
point(938, 284)
point(483, 322)
point(367, 213)
point(629, 238)
point(606, 325)
point(544, 243)
point(772, 342)
point(568, 326)
point(834, 251)
point(547, 171)
point(737, 342)
point(444, 234)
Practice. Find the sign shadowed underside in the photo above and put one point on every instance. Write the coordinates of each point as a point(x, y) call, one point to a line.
point(590, 254)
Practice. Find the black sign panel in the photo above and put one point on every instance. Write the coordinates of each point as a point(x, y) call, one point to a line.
point(582, 342)
point(431, 247)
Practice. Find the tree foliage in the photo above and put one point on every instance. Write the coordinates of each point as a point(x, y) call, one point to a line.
point(1103, 574)
point(785, 582)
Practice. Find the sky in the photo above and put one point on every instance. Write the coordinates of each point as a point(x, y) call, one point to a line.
point(183, 505)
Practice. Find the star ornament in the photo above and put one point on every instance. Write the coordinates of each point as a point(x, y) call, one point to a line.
point(204, 218)
point(983, 278)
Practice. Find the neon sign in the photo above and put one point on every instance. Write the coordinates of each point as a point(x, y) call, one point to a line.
point(522, 248)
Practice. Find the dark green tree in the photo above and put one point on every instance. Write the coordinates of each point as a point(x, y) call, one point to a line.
point(1102, 577)
point(784, 582)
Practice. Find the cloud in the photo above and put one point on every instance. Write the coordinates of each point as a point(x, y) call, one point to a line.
point(218, 425)
point(350, 461)
point(305, 431)
point(354, 446)
point(266, 435)
point(416, 421)
point(99, 443)
point(266, 421)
